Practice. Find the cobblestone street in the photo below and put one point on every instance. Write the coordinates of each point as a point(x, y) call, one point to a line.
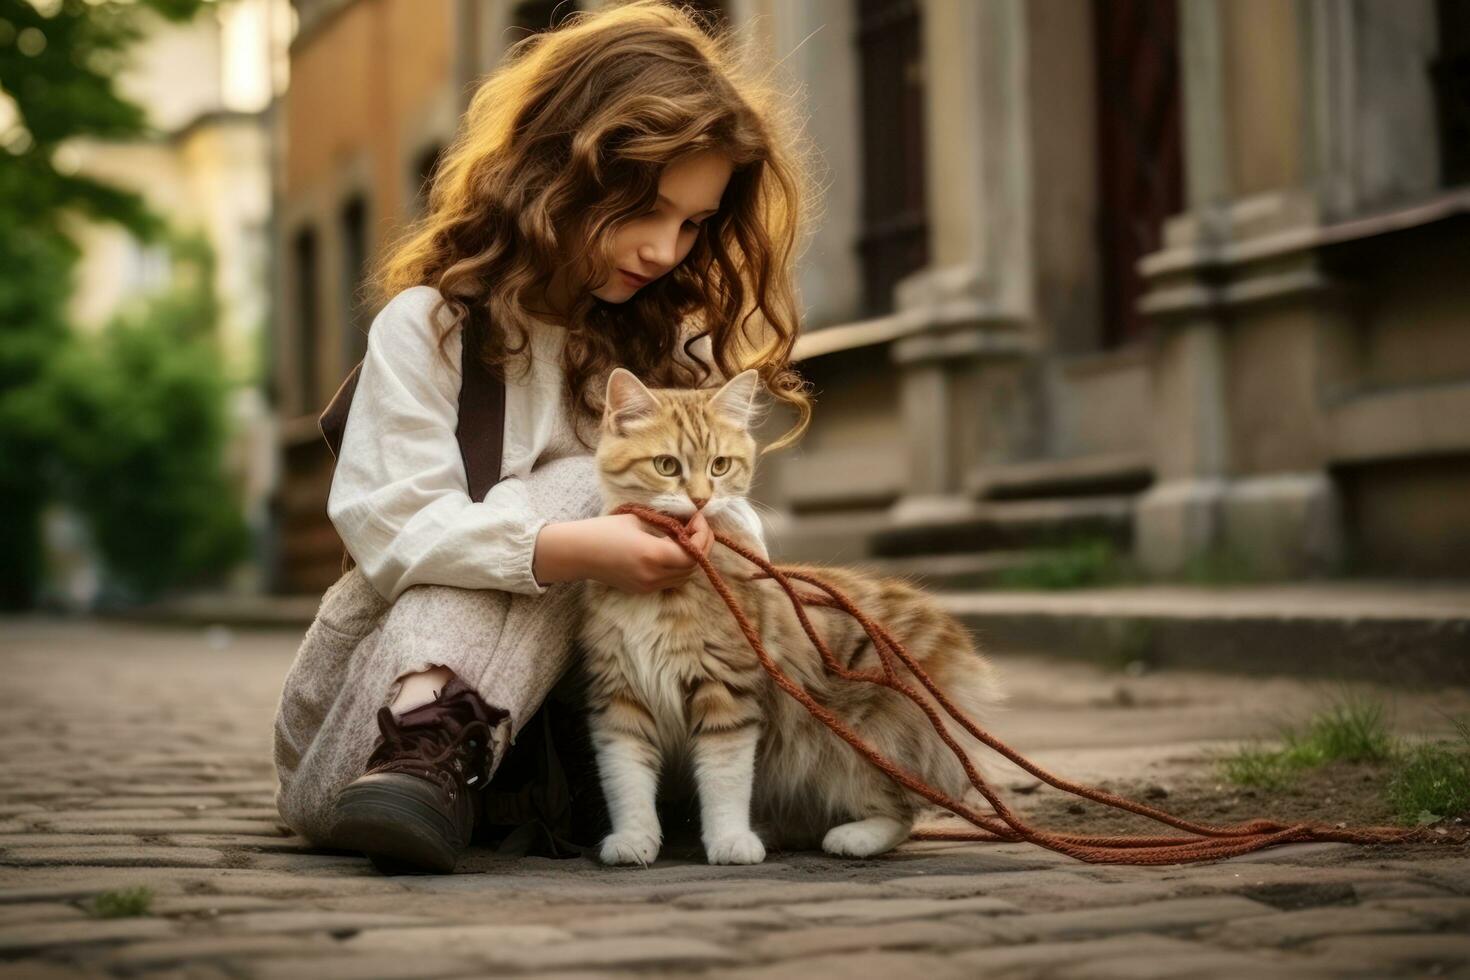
point(139, 756)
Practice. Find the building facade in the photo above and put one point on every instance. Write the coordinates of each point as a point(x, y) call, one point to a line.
point(1189, 277)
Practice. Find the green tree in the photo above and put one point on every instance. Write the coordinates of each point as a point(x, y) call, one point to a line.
point(58, 63)
point(138, 425)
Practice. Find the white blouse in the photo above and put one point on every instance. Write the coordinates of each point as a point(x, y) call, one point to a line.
point(400, 499)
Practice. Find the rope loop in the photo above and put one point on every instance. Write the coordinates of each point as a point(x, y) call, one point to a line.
point(1198, 842)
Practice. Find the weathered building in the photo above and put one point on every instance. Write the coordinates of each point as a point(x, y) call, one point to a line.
point(372, 99)
point(377, 90)
point(1191, 277)
point(1194, 277)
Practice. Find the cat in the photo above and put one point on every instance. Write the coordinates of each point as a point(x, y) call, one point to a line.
point(672, 682)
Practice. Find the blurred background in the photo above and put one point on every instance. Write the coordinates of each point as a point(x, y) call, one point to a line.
point(1104, 291)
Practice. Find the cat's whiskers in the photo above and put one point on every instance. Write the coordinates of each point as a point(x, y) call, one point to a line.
point(767, 508)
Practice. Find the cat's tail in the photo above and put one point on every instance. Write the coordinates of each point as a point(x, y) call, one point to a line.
point(973, 687)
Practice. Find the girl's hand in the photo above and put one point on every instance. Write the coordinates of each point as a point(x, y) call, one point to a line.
point(638, 557)
point(621, 551)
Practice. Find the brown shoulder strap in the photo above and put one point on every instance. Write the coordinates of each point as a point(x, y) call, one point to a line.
point(481, 427)
point(333, 420)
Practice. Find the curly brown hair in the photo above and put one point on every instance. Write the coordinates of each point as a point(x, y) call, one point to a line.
point(566, 140)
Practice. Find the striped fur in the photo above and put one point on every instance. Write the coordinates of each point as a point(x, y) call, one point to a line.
point(672, 682)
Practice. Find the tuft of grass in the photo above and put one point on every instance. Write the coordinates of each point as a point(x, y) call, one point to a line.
point(1350, 729)
point(1220, 566)
point(1258, 766)
point(123, 903)
point(1432, 780)
point(1075, 564)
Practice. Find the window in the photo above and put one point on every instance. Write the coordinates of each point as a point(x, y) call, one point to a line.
point(424, 168)
point(1139, 152)
point(894, 236)
point(710, 14)
point(541, 15)
point(1451, 75)
point(354, 268)
point(304, 264)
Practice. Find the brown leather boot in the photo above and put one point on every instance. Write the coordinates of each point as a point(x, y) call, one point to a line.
point(415, 807)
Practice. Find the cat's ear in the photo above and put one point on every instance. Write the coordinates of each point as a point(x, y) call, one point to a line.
point(735, 401)
point(627, 400)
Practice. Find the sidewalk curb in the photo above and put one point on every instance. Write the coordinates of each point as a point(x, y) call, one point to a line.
point(1408, 651)
point(241, 612)
point(1395, 632)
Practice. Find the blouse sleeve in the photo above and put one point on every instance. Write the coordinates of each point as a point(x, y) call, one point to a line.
point(739, 510)
point(399, 497)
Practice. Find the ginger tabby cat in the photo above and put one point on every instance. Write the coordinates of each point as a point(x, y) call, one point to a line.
point(672, 683)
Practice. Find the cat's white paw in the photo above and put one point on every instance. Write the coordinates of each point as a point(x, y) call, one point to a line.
point(742, 847)
point(639, 849)
point(864, 838)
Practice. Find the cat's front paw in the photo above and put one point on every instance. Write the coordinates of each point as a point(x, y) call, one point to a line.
point(639, 849)
point(742, 847)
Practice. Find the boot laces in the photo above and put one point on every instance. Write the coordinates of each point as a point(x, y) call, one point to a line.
point(447, 751)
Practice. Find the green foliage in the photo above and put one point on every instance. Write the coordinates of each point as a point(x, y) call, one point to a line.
point(139, 426)
point(1220, 565)
point(123, 903)
point(1075, 565)
point(1350, 729)
point(34, 280)
point(58, 63)
point(1256, 765)
point(1429, 782)
point(1432, 781)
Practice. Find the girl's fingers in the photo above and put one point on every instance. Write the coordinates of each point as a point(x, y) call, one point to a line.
point(709, 534)
point(674, 558)
point(701, 533)
point(652, 529)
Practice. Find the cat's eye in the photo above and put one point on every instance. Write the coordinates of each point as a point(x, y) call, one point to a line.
point(719, 466)
point(666, 465)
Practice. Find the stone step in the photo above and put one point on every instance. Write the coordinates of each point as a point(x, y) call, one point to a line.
point(1415, 633)
point(1081, 476)
point(968, 570)
point(840, 536)
point(1013, 525)
point(1412, 633)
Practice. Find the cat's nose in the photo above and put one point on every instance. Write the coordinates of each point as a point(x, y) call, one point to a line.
point(699, 502)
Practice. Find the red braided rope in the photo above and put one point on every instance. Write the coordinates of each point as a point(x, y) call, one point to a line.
point(1202, 842)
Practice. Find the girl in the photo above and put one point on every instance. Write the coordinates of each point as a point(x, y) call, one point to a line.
point(618, 194)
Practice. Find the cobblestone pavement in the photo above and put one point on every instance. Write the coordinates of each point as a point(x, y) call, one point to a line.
point(139, 756)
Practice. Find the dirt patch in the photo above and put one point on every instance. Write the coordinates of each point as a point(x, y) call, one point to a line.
point(1349, 793)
